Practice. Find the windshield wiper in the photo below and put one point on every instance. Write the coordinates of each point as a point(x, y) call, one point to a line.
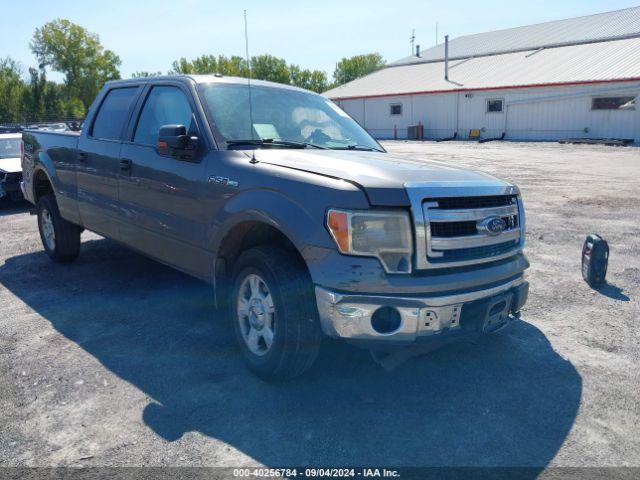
point(363, 148)
point(273, 142)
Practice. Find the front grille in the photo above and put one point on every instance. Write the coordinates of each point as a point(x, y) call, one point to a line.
point(458, 203)
point(460, 229)
point(453, 229)
point(475, 253)
point(457, 234)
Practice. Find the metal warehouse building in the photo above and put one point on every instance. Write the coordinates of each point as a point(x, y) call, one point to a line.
point(574, 78)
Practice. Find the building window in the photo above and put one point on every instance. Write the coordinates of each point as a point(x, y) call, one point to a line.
point(395, 109)
point(495, 105)
point(613, 103)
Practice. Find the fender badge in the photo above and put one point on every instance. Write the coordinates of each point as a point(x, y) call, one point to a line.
point(222, 181)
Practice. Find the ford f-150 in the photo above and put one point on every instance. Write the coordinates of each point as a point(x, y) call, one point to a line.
point(303, 224)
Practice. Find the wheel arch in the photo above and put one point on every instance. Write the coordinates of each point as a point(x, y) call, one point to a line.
point(245, 233)
point(41, 184)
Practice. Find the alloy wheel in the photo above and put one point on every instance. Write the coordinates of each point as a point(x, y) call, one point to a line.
point(256, 314)
point(48, 231)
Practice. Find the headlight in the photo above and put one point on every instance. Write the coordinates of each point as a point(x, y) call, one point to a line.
point(384, 235)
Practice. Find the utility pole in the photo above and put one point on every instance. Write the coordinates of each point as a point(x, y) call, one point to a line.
point(436, 33)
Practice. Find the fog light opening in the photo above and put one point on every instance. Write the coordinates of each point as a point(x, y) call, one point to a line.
point(386, 320)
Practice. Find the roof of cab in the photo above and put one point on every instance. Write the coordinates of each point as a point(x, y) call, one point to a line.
point(199, 79)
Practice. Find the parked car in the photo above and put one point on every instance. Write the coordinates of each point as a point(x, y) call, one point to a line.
point(55, 127)
point(10, 167)
point(300, 220)
point(11, 128)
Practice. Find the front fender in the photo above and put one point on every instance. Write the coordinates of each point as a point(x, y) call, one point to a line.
point(301, 226)
point(304, 229)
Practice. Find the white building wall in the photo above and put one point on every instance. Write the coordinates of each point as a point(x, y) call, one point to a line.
point(544, 113)
point(355, 108)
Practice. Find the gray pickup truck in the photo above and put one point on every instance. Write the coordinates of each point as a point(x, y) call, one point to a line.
point(300, 220)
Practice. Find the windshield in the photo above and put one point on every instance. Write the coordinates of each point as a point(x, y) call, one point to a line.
point(9, 147)
point(279, 116)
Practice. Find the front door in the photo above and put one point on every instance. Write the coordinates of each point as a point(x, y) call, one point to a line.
point(98, 162)
point(162, 197)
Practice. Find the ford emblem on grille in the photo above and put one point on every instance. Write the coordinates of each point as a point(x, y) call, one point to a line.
point(492, 226)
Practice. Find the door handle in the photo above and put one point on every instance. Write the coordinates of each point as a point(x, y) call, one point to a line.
point(82, 156)
point(125, 164)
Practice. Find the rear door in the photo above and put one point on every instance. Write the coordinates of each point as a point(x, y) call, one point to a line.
point(99, 162)
point(163, 197)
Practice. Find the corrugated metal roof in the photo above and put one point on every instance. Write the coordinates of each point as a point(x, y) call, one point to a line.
point(594, 62)
point(593, 28)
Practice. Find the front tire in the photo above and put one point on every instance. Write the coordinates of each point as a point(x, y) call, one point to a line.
point(60, 238)
point(274, 311)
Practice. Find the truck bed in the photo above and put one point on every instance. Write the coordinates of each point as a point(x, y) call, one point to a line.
point(44, 140)
point(52, 149)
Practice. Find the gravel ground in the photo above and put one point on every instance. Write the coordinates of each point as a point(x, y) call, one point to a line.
point(117, 360)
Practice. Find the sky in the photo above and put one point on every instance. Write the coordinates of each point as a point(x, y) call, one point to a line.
point(149, 34)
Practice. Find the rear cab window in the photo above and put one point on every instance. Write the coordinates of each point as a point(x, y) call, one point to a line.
point(113, 113)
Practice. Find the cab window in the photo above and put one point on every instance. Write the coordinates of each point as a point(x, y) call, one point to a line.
point(165, 105)
point(113, 113)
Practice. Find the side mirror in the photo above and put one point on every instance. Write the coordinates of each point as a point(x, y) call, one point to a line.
point(173, 141)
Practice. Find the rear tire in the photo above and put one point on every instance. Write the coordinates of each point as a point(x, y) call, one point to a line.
point(60, 238)
point(274, 311)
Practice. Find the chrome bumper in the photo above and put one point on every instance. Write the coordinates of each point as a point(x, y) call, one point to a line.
point(349, 316)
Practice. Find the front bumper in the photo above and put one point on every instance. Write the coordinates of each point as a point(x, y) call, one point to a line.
point(10, 185)
point(349, 316)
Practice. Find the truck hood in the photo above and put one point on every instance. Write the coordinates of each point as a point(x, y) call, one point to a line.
point(381, 175)
point(10, 165)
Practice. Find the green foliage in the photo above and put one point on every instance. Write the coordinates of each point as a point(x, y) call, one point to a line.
point(77, 53)
point(86, 65)
point(314, 80)
point(11, 90)
point(263, 67)
point(73, 108)
point(43, 99)
point(144, 74)
point(268, 67)
point(233, 66)
point(34, 100)
point(349, 69)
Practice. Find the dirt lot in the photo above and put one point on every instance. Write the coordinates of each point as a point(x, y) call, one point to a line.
point(117, 360)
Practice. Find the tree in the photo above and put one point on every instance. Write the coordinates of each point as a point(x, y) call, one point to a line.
point(314, 80)
point(54, 104)
point(72, 108)
point(268, 67)
point(263, 67)
point(78, 54)
point(207, 64)
point(144, 74)
point(11, 91)
point(33, 96)
point(233, 66)
point(349, 69)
